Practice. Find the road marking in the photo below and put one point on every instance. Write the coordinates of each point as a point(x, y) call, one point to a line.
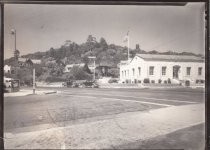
point(160, 99)
point(128, 100)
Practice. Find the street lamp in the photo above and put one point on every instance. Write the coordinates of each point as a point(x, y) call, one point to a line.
point(93, 57)
point(13, 32)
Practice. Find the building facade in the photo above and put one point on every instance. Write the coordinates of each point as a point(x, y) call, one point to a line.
point(7, 69)
point(27, 62)
point(155, 68)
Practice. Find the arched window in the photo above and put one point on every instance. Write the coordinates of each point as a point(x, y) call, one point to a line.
point(139, 69)
point(133, 72)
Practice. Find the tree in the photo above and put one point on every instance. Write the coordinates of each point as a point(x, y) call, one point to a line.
point(16, 54)
point(86, 69)
point(90, 43)
point(77, 73)
point(91, 39)
point(52, 52)
point(103, 44)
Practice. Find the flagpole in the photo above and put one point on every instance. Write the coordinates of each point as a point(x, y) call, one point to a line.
point(128, 46)
point(15, 40)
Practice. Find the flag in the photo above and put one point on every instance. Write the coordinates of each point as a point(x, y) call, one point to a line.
point(126, 37)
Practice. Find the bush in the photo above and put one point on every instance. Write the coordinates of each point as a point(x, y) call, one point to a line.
point(54, 79)
point(146, 80)
point(114, 72)
point(159, 81)
point(78, 73)
point(139, 81)
point(169, 81)
point(152, 81)
point(165, 81)
point(113, 80)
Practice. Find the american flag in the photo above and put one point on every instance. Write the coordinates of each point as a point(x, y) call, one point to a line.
point(126, 37)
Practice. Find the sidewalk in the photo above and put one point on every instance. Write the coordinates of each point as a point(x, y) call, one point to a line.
point(24, 92)
point(107, 134)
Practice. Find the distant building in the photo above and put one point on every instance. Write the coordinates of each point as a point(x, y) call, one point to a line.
point(155, 68)
point(7, 69)
point(27, 62)
point(70, 66)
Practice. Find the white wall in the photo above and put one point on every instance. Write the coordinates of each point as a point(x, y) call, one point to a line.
point(7, 69)
point(144, 65)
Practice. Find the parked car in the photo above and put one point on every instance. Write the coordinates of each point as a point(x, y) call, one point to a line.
point(75, 85)
point(69, 83)
point(90, 84)
point(8, 82)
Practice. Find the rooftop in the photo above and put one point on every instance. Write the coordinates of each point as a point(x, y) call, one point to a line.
point(35, 61)
point(174, 58)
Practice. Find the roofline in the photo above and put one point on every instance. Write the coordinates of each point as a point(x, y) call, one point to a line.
point(149, 59)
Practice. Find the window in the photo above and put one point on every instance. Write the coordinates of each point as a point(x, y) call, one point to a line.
point(200, 71)
point(188, 70)
point(133, 72)
point(151, 70)
point(139, 68)
point(163, 71)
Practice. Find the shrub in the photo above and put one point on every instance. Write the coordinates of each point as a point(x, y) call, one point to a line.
point(54, 79)
point(165, 81)
point(113, 80)
point(146, 80)
point(159, 81)
point(169, 81)
point(187, 83)
point(139, 81)
point(126, 81)
point(152, 81)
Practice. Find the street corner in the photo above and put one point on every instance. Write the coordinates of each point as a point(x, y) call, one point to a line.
point(30, 92)
point(19, 93)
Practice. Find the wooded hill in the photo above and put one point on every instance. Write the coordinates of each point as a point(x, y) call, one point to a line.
point(106, 54)
point(54, 60)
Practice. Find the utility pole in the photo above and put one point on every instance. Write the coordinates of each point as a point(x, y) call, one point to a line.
point(13, 32)
point(93, 57)
point(128, 42)
point(34, 81)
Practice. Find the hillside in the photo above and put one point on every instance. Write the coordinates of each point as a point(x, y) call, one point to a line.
point(54, 60)
point(71, 52)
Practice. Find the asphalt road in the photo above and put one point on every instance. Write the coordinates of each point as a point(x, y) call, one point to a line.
point(78, 105)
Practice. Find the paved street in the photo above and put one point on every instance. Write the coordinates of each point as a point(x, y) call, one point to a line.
point(75, 106)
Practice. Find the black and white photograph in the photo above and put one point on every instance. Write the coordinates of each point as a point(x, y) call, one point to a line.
point(96, 76)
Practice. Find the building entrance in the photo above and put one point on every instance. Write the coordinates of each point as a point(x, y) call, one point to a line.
point(176, 69)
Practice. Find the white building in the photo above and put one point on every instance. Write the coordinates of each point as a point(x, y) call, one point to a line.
point(7, 69)
point(34, 61)
point(157, 68)
point(70, 66)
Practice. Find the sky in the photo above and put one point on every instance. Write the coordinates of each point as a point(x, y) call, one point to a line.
point(161, 28)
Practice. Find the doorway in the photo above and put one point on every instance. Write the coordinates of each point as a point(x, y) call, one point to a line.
point(176, 69)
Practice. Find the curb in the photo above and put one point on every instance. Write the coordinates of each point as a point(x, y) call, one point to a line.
point(50, 92)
